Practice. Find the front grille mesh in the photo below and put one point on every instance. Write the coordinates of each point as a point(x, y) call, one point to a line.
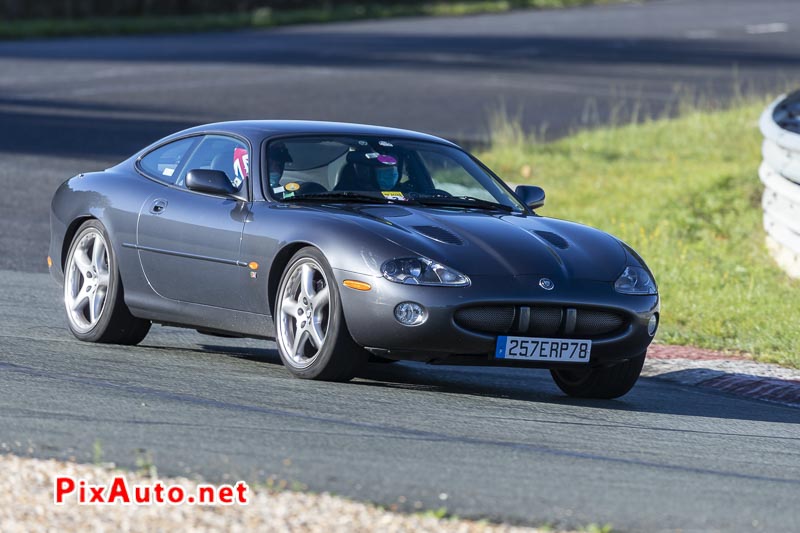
point(593, 322)
point(495, 319)
point(544, 321)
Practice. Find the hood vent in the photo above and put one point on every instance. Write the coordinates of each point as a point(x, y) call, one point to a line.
point(438, 234)
point(387, 211)
point(556, 240)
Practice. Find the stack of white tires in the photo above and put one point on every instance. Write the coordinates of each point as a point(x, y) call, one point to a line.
point(780, 173)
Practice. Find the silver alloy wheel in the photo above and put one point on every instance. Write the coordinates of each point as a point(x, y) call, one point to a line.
point(86, 281)
point(304, 313)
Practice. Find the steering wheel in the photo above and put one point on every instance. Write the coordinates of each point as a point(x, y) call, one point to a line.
point(311, 187)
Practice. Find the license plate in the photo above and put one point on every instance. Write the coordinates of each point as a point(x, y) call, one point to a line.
point(537, 349)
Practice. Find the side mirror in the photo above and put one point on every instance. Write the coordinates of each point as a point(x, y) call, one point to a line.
point(212, 182)
point(531, 195)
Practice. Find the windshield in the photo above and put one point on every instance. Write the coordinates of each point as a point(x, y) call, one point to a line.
point(383, 170)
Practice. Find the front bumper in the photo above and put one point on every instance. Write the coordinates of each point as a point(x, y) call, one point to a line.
point(371, 322)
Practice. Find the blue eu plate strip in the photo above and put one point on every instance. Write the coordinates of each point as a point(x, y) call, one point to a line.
point(500, 351)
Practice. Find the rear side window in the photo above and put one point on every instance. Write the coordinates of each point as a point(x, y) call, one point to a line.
point(162, 163)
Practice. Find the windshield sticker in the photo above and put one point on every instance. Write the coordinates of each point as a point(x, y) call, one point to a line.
point(393, 195)
point(363, 143)
point(240, 163)
point(277, 190)
point(288, 195)
point(387, 159)
point(169, 171)
point(292, 186)
point(372, 155)
point(385, 143)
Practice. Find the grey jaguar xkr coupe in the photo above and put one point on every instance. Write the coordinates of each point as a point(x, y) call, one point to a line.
point(347, 242)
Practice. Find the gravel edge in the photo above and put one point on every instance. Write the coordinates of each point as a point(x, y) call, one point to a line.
point(26, 505)
point(736, 374)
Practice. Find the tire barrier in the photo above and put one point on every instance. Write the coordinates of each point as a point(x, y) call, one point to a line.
point(780, 174)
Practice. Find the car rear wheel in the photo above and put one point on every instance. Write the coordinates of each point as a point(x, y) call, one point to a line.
point(311, 334)
point(93, 295)
point(600, 382)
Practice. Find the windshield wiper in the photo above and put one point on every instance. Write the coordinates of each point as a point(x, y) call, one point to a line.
point(461, 201)
point(352, 196)
point(340, 196)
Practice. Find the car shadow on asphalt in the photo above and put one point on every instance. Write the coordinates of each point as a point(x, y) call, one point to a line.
point(249, 353)
point(650, 395)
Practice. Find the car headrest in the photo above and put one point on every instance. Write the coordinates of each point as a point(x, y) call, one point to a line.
point(223, 162)
point(356, 177)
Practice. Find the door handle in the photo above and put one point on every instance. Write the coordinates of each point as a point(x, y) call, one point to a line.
point(158, 206)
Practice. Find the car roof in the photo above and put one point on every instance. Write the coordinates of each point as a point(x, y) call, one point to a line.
point(258, 130)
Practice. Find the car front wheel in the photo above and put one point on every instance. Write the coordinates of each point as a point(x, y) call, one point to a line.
point(311, 334)
point(600, 382)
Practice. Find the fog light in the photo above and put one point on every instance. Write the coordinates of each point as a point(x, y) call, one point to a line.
point(410, 314)
point(652, 324)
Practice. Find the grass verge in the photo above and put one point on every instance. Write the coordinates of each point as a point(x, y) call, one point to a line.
point(266, 17)
point(685, 193)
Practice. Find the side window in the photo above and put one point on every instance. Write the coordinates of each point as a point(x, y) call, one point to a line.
point(218, 152)
point(162, 163)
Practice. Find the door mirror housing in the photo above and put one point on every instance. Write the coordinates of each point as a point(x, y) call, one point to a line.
point(212, 182)
point(531, 195)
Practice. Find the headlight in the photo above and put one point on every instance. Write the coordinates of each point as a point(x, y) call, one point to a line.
point(422, 271)
point(635, 280)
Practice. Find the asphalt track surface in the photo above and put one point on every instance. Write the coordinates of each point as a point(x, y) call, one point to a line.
point(499, 443)
point(495, 443)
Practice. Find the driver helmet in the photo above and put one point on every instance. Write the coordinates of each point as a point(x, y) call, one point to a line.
point(387, 177)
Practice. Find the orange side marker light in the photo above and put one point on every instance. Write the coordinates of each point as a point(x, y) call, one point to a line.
point(357, 285)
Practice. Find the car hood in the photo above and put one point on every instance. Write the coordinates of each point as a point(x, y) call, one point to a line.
point(481, 243)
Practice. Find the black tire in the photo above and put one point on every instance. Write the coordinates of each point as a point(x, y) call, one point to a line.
point(604, 382)
point(116, 324)
point(339, 358)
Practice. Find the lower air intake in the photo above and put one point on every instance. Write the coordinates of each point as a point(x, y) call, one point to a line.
point(591, 322)
point(495, 319)
point(544, 321)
